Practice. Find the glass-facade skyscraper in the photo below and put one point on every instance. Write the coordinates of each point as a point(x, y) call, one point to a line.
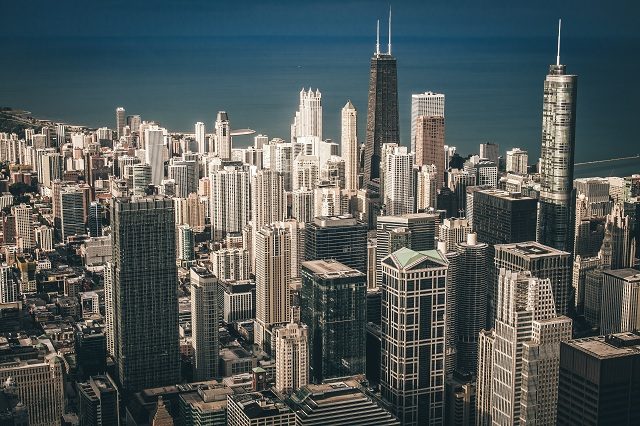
point(556, 205)
point(145, 285)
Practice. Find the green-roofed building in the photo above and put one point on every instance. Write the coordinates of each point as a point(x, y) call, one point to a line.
point(413, 335)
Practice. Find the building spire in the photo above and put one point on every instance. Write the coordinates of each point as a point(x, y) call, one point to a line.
point(378, 38)
point(389, 47)
point(559, 28)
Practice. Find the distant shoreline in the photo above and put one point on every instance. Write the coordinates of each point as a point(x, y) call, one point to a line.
point(586, 163)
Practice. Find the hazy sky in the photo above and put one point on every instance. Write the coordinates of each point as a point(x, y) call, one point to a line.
point(464, 18)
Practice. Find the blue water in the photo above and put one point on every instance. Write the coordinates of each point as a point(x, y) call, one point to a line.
point(493, 85)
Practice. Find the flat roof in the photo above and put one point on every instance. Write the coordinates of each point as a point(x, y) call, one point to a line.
point(331, 269)
point(612, 346)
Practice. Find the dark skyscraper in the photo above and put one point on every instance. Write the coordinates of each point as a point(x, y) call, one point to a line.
point(341, 238)
point(500, 217)
point(334, 307)
point(382, 112)
point(556, 206)
point(145, 293)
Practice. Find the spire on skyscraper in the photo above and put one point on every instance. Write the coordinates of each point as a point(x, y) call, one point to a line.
point(389, 46)
point(378, 38)
point(559, 28)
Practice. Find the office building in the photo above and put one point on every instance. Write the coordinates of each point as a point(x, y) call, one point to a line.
point(349, 146)
point(453, 231)
point(490, 151)
point(340, 403)
point(185, 174)
point(382, 111)
point(303, 205)
point(120, 121)
point(140, 178)
point(223, 136)
point(9, 289)
point(420, 231)
point(398, 196)
point(146, 333)
point(618, 229)
point(543, 262)
point(201, 138)
point(308, 119)
point(292, 356)
point(486, 173)
point(273, 276)
point(620, 301)
point(426, 183)
point(24, 228)
point(429, 106)
point(238, 301)
point(94, 220)
point(204, 323)
point(73, 214)
point(518, 360)
point(262, 408)
point(582, 265)
point(98, 402)
point(333, 305)
point(517, 161)
point(155, 152)
point(429, 144)
point(341, 238)
point(600, 380)
point(555, 210)
point(229, 200)
point(500, 217)
point(413, 335)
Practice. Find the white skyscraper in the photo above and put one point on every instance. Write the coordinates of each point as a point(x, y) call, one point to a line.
point(518, 361)
point(24, 229)
point(517, 161)
point(273, 275)
point(229, 200)
point(268, 200)
point(109, 312)
point(428, 104)
point(292, 357)
point(201, 137)
point(223, 136)
point(350, 149)
point(231, 264)
point(427, 183)
point(305, 172)
point(398, 182)
point(308, 118)
point(303, 205)
point(155, 152)
point(204, 323)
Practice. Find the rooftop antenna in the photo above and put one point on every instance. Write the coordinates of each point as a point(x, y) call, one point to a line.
point(389, 48)
point(559, 28)
point(378, 38)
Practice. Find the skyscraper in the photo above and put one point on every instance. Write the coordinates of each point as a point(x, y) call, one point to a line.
point(72, 208)
point(268, 200)
point(334, 307)
point(145, 293)
point(413, 335)
point(98, 402)
point(620, 301)
point(555, 208)
point(229, 200)
point(350, 149)
point(490, 151)
point(398, 194)
point(429, 105)
point(501, 217)
point(342, 238)
point(519, 362)
point(517, 161)
point(120, 121)
point(308, 118)
point(292, 357)
point(429, 144)
point(204, 323)
point(201, 137)
point(154, 152)
point(382, 110)
point(223, 136)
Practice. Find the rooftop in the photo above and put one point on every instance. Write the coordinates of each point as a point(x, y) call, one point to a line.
point(610, 346)
point(531, 249)
point(627, 274)
point(261, 404)
point(331, 269)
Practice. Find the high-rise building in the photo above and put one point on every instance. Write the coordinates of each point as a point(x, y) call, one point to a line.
point(582, 265)
point(555, 209)
point(204, 323)
point(155, 151)
point(185, 174)
point(9, 289)
point(333, 305)
point(341, 238)
point(470, 300)
point(427, 184)
point(229, 200)
point(24, 228)
point(420, 231)
point(620, 301)
point(73, 214)
point(303, 205)
point(339, 403)
point(268, 199)
point(140, 178)
point(453, 231)
point(120, 120)
point(429, 144)
point(273, 276)
point(519, 359)
point(201, 137)
point(490, 151)
point(292, 357)
point(430, 106)
point(109, 308)
point(94, 220)
point(223, 136)
point(98, 402)
point(543, 262)
point(382, 111)
point(517, 161)
point(486, 173)
point(399, 196)
point(618, 229)
point(145, 293)
point(413, 335)
point(308, 118)
point(51, 168)
point(231, 264)
point(500, 217)
point(349, 146)
point(600, 380)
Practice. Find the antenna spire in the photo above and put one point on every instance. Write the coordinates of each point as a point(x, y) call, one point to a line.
point(389, 47)
point(559, 28)
point(378, 38)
